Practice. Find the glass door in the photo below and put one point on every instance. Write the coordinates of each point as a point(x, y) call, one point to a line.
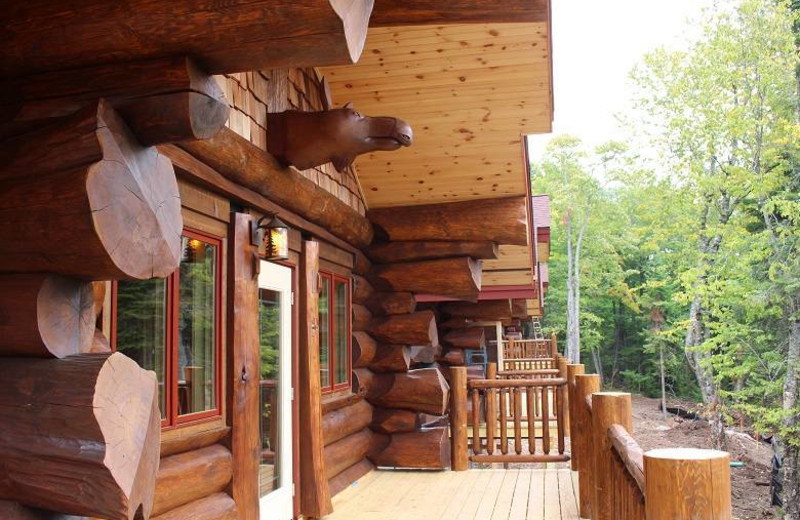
point(275, 332)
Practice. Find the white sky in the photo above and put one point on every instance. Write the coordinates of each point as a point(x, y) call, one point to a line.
point(595, 45)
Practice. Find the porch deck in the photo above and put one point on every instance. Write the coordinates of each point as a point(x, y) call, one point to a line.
point(477, 494)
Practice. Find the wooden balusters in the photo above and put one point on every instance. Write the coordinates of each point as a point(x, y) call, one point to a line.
point(517, 420)
point(531, 409)
point(476, 421)
point(545, 421)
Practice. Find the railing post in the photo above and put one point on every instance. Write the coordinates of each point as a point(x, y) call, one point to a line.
point(607, 408)
point(562, 373)
point(687, 483)
point(458, 418)
point(585, 385)
point(572, 371)
point(553, 345)
point(491, 371)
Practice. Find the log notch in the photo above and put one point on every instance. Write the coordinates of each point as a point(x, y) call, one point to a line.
point(45, 316)
point(454, 277)
point(97, 205)
point(503, 220)
point(46, 35)
point(417, 328)
point(362, 318)
point(490, 310)
point(243, 163)
point(427, 449)
point(472, 337)
point(61, 427)
point(218, 506)
point(387, 303)
point(395, 252)
point(421, 390)
point(162, 101)
point(191, 476)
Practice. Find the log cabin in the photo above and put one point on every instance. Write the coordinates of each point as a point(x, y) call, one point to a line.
point(219, 334)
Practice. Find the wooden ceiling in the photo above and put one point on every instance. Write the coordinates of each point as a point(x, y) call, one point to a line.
point(470, 92)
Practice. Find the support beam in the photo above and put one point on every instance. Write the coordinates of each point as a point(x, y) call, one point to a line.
point(473, 337)
point(391, 358)
point(485, 310)
point(421, 390)
point(427, 449)
point(395, 252)
point(454, 277)
point(163, 100)
point(45, 315)
point(66, 440)
point(387, 303)
point(245, 164)
point(417, 328)
point(501, 220)
point(81, 197)
point(423, 12)
point(43, 35)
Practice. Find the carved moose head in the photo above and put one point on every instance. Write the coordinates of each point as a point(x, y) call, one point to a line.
point(308, 139)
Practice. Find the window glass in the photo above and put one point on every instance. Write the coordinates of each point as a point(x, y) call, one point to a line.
point(269, 328)
point(197, 327)
point(325, 333)
point(341, 343)
point(141, 327)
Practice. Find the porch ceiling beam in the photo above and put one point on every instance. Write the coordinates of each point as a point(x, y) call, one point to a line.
point(425, 12)
point(412, 251)
point(227, 37)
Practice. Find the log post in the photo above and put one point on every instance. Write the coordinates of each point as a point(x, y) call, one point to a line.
point(97, 205)
point(454, 277)
point(553, 345)
point(562, 373)
point(687, 483)
point(585, 385)
point(44, 315)
point(80, 435)
point(458, 418)
point(572, 392)
point(607, 408)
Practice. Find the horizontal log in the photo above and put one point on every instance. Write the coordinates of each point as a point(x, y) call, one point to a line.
point(512, 458)
point(362, 318)
point(15, 511)
point(182, 440)
point(414, 251)
point(502, 220)
point(454, 357)
point(417, 328)
point(45, 315)
point(190, 476)
point(43, 35)
point(453, 277)
point(488, 310)
point(364, 349)
point(395, 420)
point(630, 453)
point(391, 358)
point(66, 441)
point(97, 205)
point(453, 323)
point(341, 401)
point(219, 506)
point(163, 100)
point(346, 478)
point(471, 337)
point(388, 303)
point(240, 161)
point(348, 451)
point(428, 449)
point(421, 390)
point(421, 12)
point(362, 266)
point(519, 308)
point(517, 383)
point(346, 421)
point(362, 289)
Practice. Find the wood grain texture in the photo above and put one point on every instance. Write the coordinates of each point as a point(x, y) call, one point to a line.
point(421, 12)
point(387, 303)
point(472, 337)
point(344, 479)
point(500, 220)
point(397, 252)
point(422, 390)
point(80, 435)
point(245, 164)
point(243, 368)
point(14, 511)
point(85, 180)
point(47, 35)
point(362, 318)
point(340, 423)
point(574, 370)
point(191, 476)
point(364, 349)
point(343, 453)
point(394, 420)
point(219, 506)
point(391, 358)
point(362, 289)
point(458, 418)
point(427, 449)
point(585, 386)
point(607, 408)
point(489, 310)
point(453, 277)
point(45, 315)
point(417, 328)
point(192, 438)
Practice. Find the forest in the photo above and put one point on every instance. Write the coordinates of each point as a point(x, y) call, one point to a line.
point(675, 264)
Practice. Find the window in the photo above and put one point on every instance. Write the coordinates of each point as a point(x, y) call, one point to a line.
point(172, 326)
point(334, 332)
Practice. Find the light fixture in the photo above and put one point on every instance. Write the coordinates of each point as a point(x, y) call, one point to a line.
point(274, 236)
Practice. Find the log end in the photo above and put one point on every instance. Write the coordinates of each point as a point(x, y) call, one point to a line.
point(66, 315)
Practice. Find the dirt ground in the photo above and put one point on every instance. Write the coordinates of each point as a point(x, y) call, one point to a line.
point(750, 483)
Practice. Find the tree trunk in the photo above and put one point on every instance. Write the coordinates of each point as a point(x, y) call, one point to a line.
point(791, 450)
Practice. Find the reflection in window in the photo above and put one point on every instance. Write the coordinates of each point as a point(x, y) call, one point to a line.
point(141, 327)
point(334, 326)
point(197, 327)
point(340, 342)
point(269, 329)
point(324, 334)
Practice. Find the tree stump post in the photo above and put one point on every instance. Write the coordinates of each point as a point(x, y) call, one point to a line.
point(607, 408)
point(585, 386)
point(572, 400)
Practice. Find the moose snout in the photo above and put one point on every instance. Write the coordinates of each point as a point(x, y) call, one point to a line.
point(403, 132)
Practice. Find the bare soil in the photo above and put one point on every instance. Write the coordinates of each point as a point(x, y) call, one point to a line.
point(750, 483)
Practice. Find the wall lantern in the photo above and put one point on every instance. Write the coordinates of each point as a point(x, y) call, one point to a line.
point(274, 236)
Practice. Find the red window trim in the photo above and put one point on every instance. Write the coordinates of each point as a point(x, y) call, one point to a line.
point(333, 386)
point(172, 419)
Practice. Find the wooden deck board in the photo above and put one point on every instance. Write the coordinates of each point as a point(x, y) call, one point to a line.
point(477, 494)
